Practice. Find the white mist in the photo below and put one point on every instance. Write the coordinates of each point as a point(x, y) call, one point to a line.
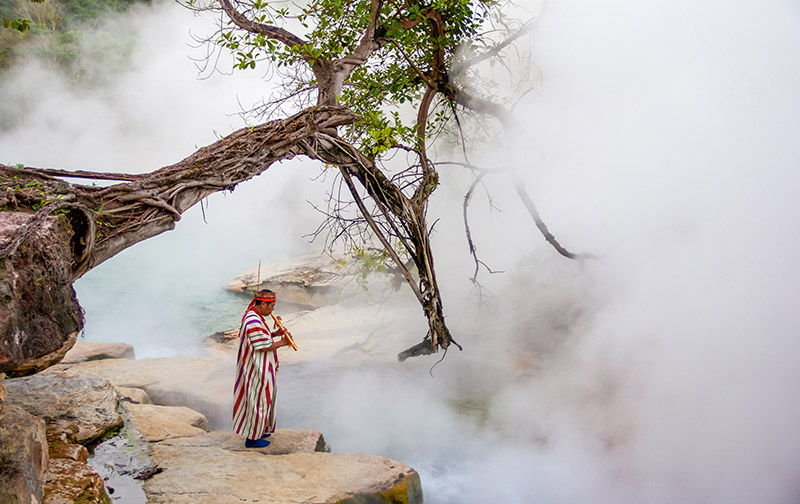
point(663, 139)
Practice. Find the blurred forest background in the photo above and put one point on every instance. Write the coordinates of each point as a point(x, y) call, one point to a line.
point(59, 29)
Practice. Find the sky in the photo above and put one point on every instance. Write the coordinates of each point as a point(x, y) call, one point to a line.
point(661, 137)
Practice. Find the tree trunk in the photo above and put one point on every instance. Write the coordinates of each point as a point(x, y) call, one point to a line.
point(394, 204)
point(52, 232)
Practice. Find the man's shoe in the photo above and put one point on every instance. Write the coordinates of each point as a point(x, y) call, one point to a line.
point(256, 443)
point(265, 436)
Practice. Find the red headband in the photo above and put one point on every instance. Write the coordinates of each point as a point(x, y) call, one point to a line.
point(268, 297)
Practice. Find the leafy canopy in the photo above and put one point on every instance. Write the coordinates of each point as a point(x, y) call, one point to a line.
point(418, 42)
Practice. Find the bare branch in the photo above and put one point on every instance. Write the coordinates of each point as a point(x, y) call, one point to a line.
point(494, 51)
point(472, 248)
point(407, 274)
point(528, 202)
point(482, 105)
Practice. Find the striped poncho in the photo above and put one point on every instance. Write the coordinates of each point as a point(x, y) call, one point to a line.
point(254, 389)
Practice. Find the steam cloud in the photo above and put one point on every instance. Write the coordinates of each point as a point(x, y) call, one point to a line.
point(665, 142)
point(662, 138)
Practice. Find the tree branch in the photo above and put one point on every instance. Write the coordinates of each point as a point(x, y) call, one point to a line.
point(84, 174)
point(368, 43)
point(528, 202)
point(286, 37)
point(375, 229)
point(458, 68)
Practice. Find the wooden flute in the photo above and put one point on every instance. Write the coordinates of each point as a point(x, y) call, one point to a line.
point(286, 333)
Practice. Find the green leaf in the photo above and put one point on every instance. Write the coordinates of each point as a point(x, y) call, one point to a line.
point(19, 24)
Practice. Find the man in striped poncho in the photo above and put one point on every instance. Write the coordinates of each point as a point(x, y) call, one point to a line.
point(256, 366)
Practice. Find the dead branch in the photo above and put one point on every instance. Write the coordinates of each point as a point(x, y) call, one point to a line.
point(531, 207)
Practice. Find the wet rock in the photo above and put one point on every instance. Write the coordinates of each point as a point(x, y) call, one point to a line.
point(123, 460)
point(83, 405)
point(69, 482)
point(23, 456)
point(87, 350)
point(231, 474)
point(225, 340)
point(157, 423)
point(309, 281)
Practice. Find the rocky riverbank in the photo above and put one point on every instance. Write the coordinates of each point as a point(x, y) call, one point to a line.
point(156, 428)
point(51, 418)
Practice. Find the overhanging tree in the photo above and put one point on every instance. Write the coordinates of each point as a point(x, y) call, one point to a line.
point(368, 80)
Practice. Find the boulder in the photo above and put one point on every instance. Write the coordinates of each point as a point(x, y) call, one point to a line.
point(230, 473)
point(75, 409)
point(85, 405)
point(90, 350)
point(40, 317)
point(308, 281)
point(72, 451)
point(133, 395)
point(202, 384)
point(23, 456)
point(157, 423)
point(69, 482)
point(36, 364)
point(62, 444)
point(184, 464)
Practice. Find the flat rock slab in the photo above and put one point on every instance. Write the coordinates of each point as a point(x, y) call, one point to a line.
point(202, 384)
point(207, 469)
point(90, 350)
point(84, 405)
point(282, 442)
point(157, 423)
